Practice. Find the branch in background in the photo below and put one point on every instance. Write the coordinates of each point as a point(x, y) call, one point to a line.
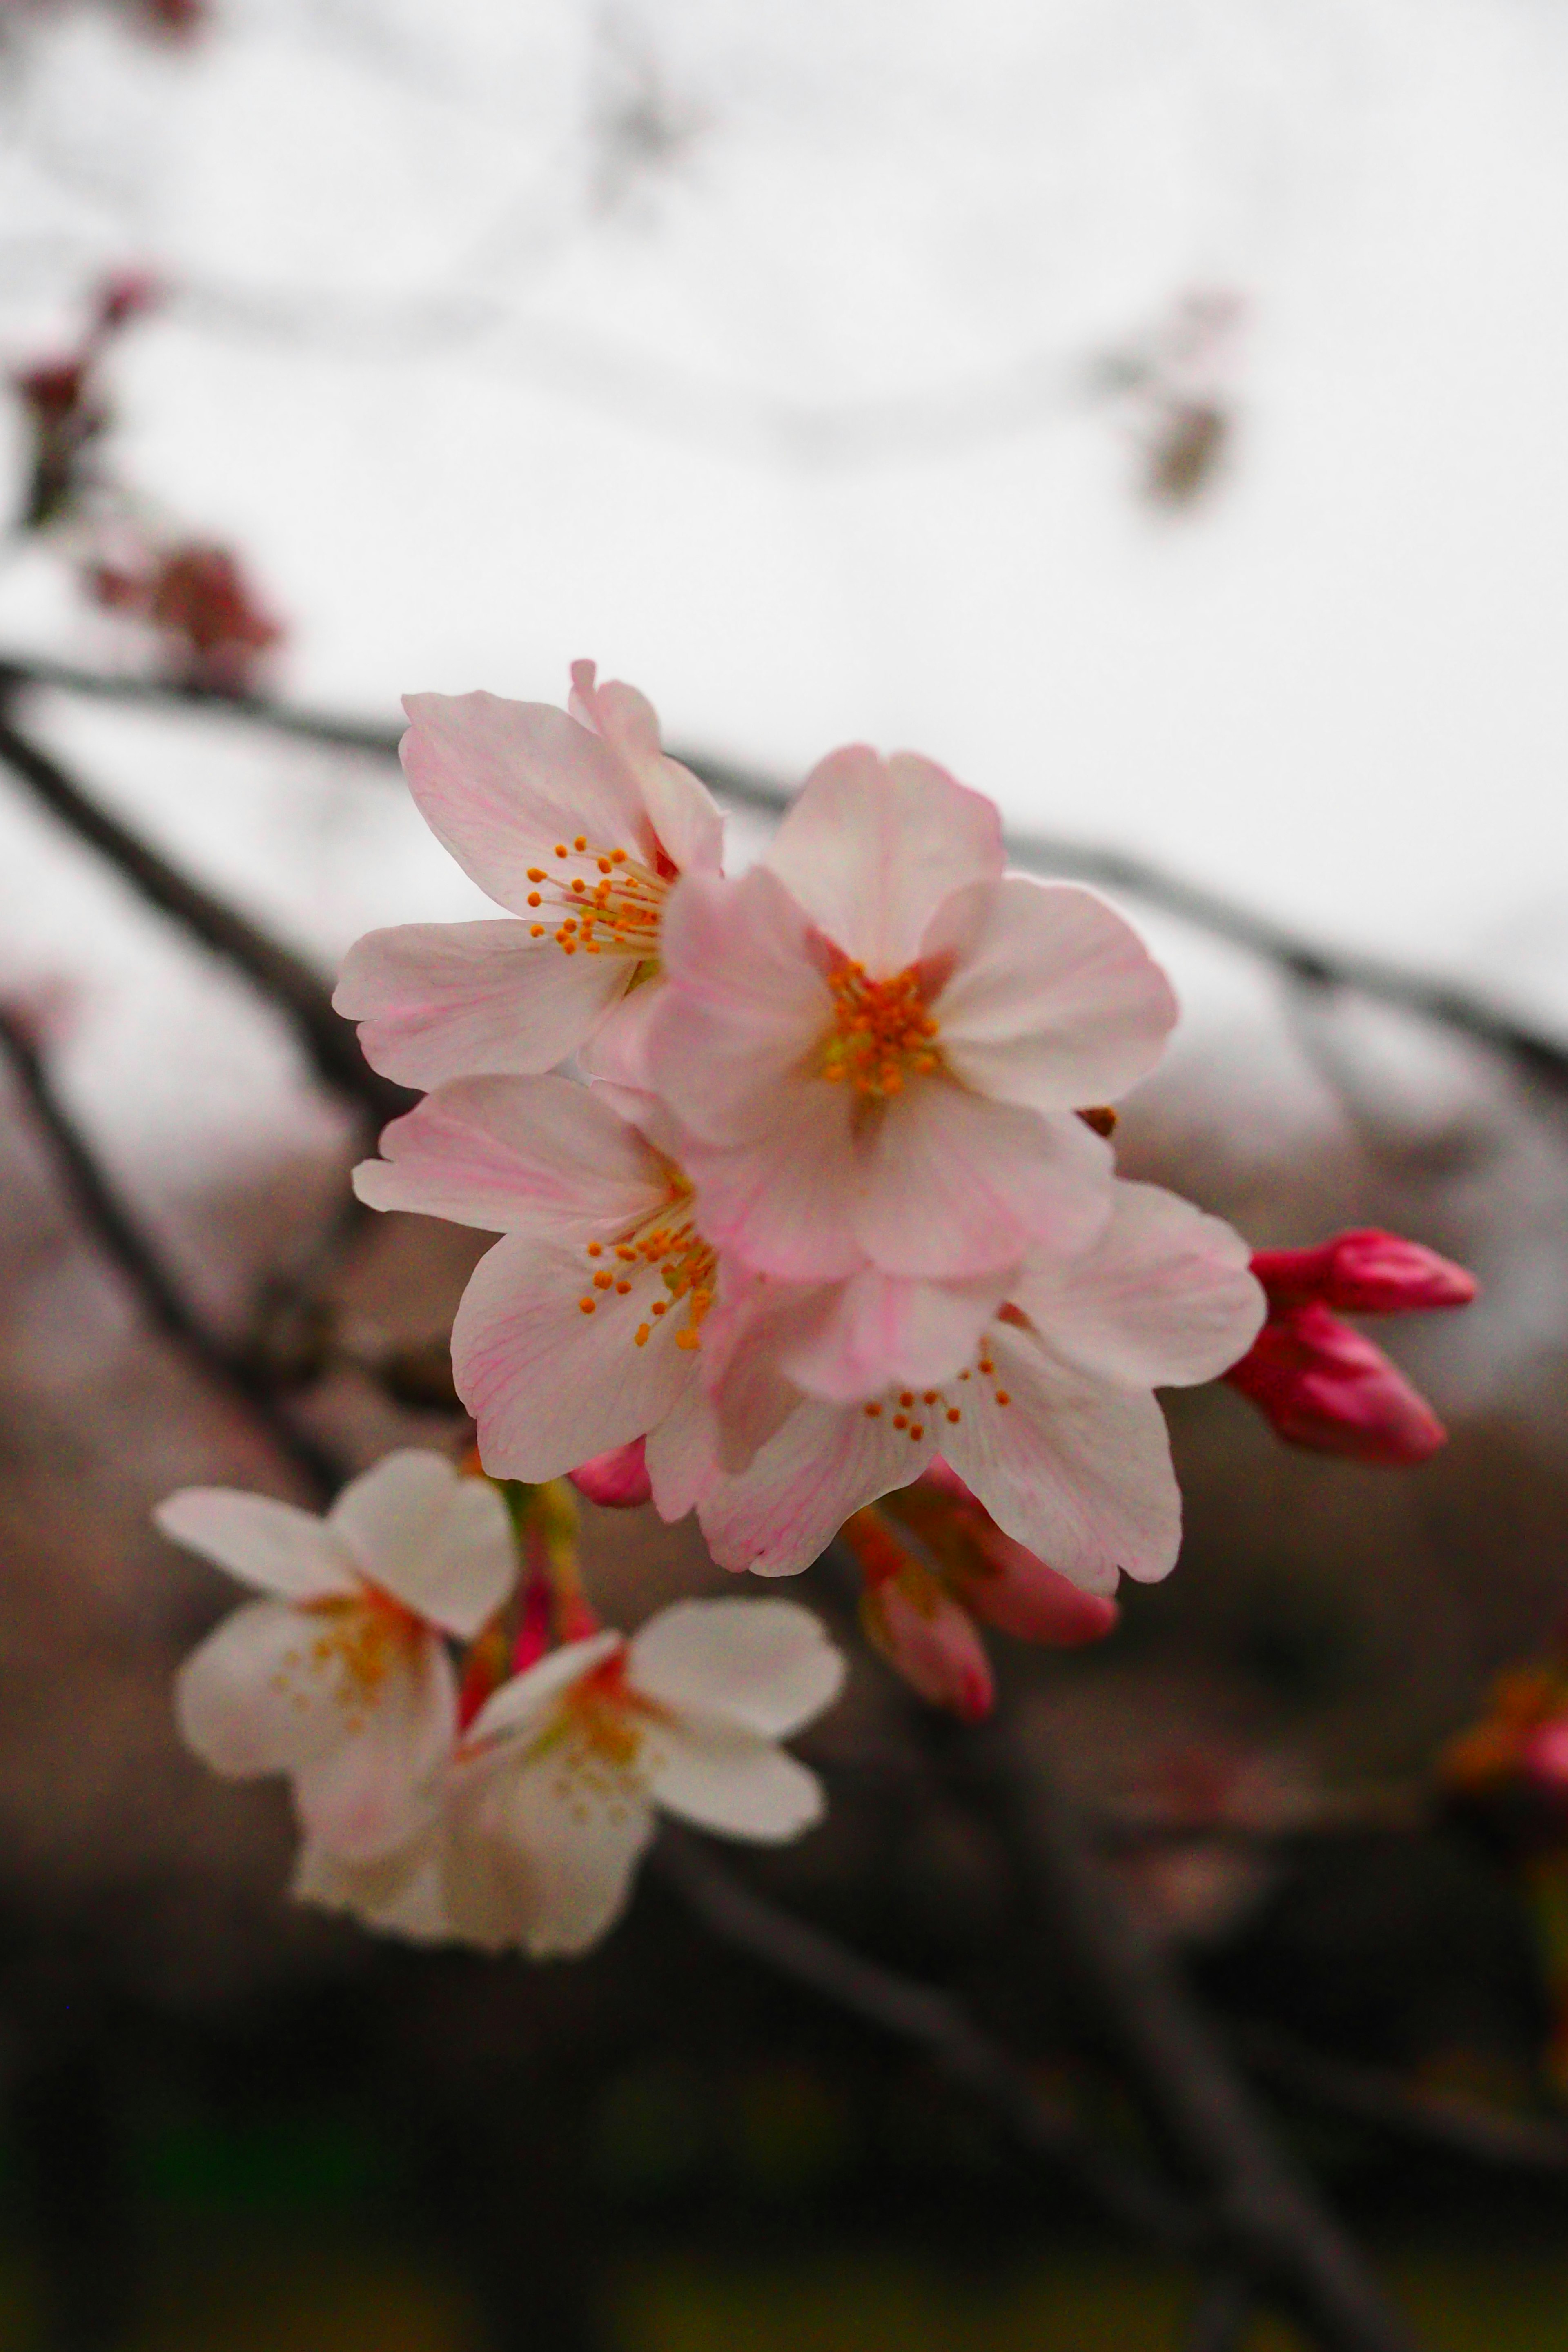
point(284, 977)
point(121, 1239)
point(1196, 2100)
point(1224, 2315)
point(1303, 959)
point(933, 2022)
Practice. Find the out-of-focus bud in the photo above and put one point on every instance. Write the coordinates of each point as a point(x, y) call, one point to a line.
point(1363, 1273)
point(215, 626)
point(990, 1573)
point(1321, 1384)
point(909, 1615)
point(125, 295)
point(66, 419)
point(617, 1480)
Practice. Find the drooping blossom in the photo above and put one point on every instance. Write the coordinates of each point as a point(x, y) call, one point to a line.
point(576, 823)
point(552, 1801)
point(1321, 1384)
point(1053, 1425)
point(340, 1678)
point(876, 1040)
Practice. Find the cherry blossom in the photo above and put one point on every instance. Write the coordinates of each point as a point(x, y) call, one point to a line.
point(876, 1040)
point(1053, 1425)
point(1319, 1382)
point(576, 823)
point(341, 1678)
point(550, 1803)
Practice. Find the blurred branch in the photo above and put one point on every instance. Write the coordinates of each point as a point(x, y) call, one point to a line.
point(1196, 2101)
point(284, 977)
point(1307, 961)
point(121, 1239)
point(1441, 2120)
point(933, 2022)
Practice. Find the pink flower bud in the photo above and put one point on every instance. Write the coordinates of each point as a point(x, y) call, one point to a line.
point(1363, 1273)
point(992, 1575)
point(617, 1480)
point(1545, 1755)
point(124, 295)
point(1322, 1384)
point(931, 1640)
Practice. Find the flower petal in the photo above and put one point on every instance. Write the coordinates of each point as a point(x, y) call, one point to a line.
point(516, 1155)
point(616, 1481)
point(272, 1545)
point(746, 1003)
point(685, 816)
point(548, 1384)
point(955, 1186)
point(258, 1696)
point(438, 1001)
point(1053, 1000)
point(878, 1329)
point(780, 1513)
point(873, 846)
point(520, 1704)
point(1077, 1470)
point(786, 1202)
point(543, 1855)
point(500, 784)
point(439, 1542)
point(762, 1667)
point(366, 1797)
point(399, 1893)
point(740, 1788)
point(1164, 1298)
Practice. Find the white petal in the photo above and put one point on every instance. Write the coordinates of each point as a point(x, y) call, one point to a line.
point(549, 1385)
point(501, 784)
point(275, 1546)
point(519, 1704)
point(954, 1185)
point(1073, 1467)
point(766, 1667)
point(780, 1513)
point(682, 1456)
point(878, 1329)
point(260, 1695)
point(872, 848)
point(399, 1893)
point(439, 1542)
point(438, 1001)
point(741, 1787)
point(1054, 1000)
point(543, 1855)
point(1164, 1298)
point(684, 814)
point(370, 1794)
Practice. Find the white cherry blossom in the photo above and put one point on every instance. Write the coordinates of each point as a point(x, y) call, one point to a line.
point(577, 822)
point(551, 1802)
point(340, 1678)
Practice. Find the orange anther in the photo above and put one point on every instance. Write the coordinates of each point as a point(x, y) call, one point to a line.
point(873, 1412)
point(622, 1288)
point(580, 842)
point(1002, 1397)
point(916, 1430)
point(561, 849)
point(534, 899)
point(596, 1249)
point(906, 1396)
point(641, 1334)
point(536, 930)
point(603, 865)
point(587, 1304)
point(953, 1414)
point(689, 1339)
point(602, 1279)
point(928, 1397)
point(536, 873)
point(901, 1421)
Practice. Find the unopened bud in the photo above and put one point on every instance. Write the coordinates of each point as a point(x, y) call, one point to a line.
point(617, 1480)
point(1323, 1385)
point(1363, 1273)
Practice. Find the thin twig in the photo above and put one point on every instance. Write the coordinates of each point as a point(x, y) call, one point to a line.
point(1194, 2098)
point(284, 977)
point(121, 1239)
point(933, 2022)
point(1306, 960)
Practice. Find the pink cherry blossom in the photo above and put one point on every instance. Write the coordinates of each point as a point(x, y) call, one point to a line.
point(876, 1040)
point(1053, 1425)
point(341, 1678)
point(577, 822)
point(616, 1481)
point(551, 1803)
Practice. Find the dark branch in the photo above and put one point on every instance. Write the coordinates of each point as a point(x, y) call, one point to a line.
point(1438, 2120)
point(120, 1238)
point(932, 2021)
point(1305, 960)
point(285, 979)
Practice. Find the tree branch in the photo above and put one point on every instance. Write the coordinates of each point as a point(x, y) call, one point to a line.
point(120, 1238)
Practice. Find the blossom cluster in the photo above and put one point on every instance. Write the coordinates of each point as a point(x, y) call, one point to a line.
point(809, 1223)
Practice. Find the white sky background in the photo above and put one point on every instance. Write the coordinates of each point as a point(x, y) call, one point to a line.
point(789, 423)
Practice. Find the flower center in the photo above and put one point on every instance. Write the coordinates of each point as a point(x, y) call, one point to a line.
point(361, 1640)
point(881, 1035)
point(614, 909)
point(663, 1250)
point(917, 1414)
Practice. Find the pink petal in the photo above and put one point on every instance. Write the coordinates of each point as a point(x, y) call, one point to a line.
point(785, 1202)
point(1326, 1386)
point(1053, 1000)
point(782, 1512)
point(1367, 1272)
point(931, 1640)
point(500, 784)
point(1164, 1299)
point(955, 1186)
point(438, 1001)
point(549, 1385)
point(516, 1155)
point(872, 848)
point(685, 816)
point(616, 1481)
point(762, 1668)
point(877, 1329)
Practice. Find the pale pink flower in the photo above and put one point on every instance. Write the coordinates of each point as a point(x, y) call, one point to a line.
point(577, 822)
point(1053, 1425)
point(340, 1678)
point(550, 1803)
point(876, 1040)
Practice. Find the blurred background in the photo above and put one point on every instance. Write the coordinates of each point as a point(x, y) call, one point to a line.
point(1152, 409)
